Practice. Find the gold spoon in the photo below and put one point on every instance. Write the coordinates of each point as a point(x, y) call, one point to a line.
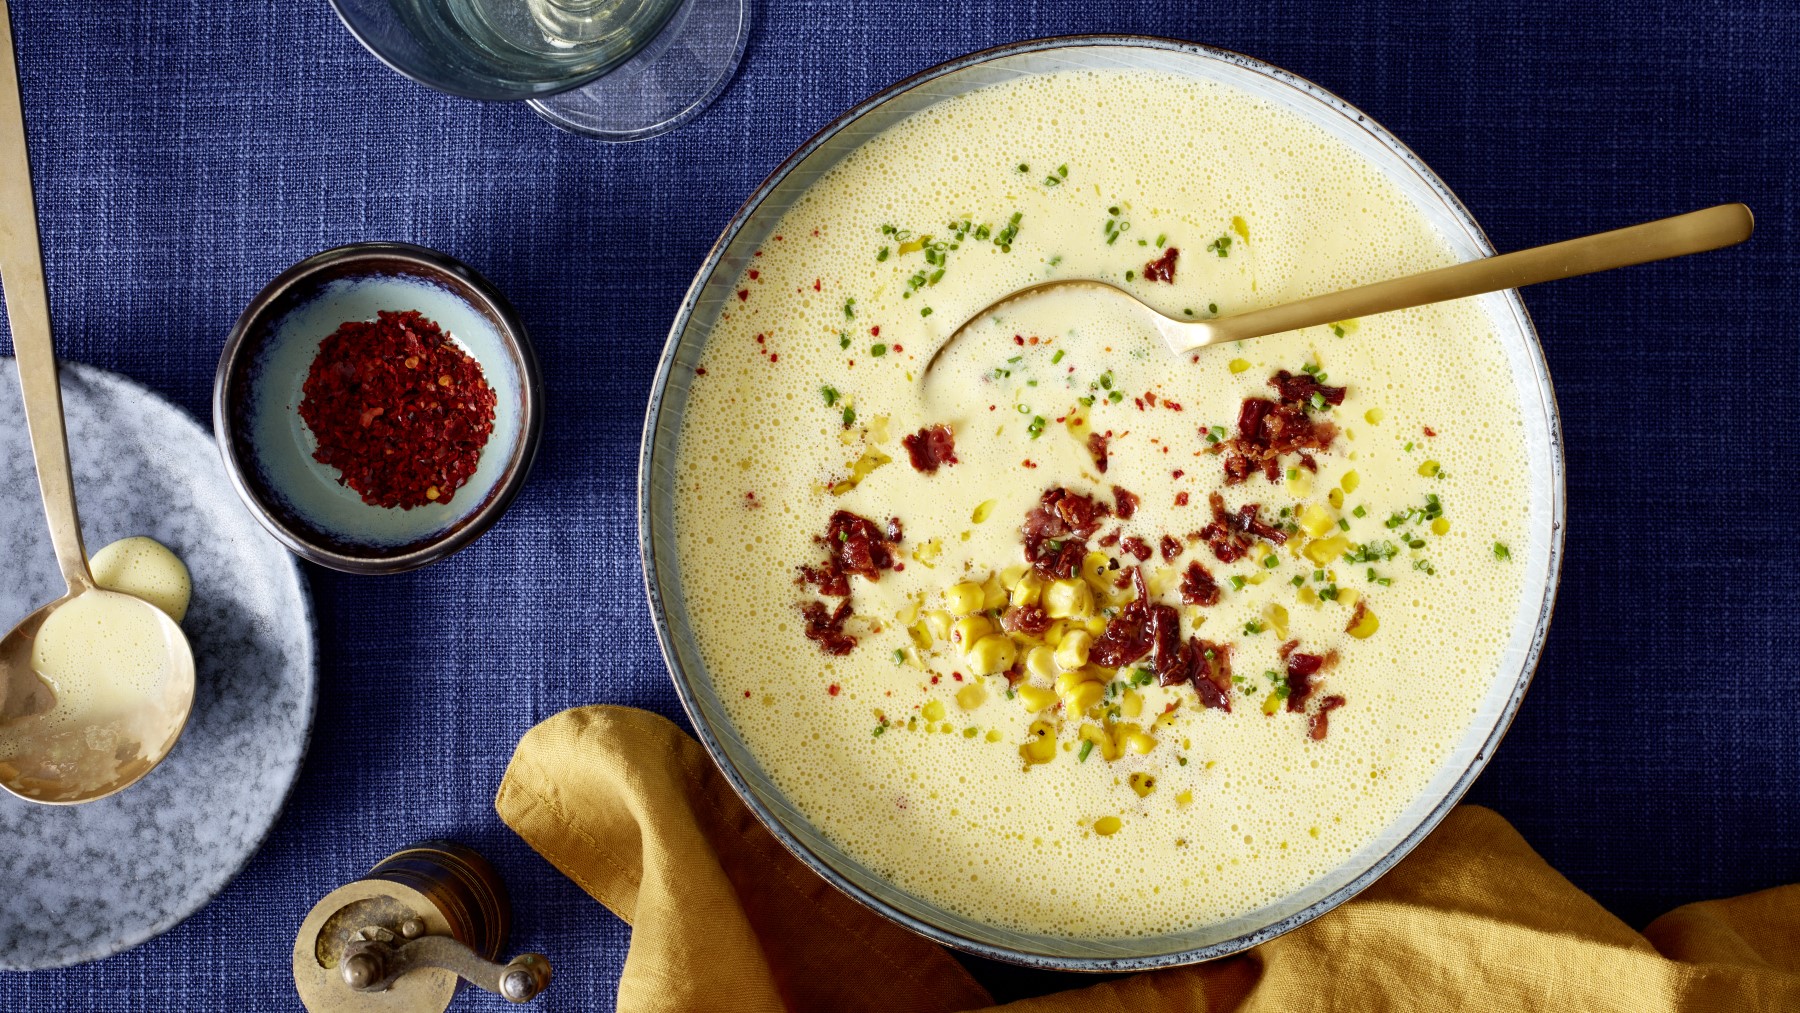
point(85, 758)
point(1695, 232)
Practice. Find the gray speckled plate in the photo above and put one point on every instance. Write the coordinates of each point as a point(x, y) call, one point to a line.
point(87, 881)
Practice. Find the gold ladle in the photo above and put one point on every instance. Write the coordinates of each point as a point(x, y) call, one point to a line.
point(87, 757)
point(1695, 232)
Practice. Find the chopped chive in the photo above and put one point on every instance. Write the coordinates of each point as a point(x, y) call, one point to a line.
point(878, 350)
point(1058, 357)
point(830, 394)
point(1343, 525)
point(1086, 748)
point(1501, 552)
point(849, 416)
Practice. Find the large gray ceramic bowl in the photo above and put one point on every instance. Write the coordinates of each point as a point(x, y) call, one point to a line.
point(657, 491)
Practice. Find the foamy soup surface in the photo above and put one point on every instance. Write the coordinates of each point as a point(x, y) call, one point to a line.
point(987, 709)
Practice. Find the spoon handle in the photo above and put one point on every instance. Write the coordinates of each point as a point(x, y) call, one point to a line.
point(28, 312)
point(1695, 232)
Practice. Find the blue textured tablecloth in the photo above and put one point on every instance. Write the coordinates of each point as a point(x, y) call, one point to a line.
point(185, 153)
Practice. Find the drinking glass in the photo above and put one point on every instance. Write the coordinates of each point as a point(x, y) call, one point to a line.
point(618, 70)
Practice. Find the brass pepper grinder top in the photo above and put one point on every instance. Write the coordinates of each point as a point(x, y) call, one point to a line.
point(403, 938)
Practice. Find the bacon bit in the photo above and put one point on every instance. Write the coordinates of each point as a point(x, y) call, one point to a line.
point(1027, 619)
point(1170, 548)
point(1301, 672)
point(1150, 398)
point(1096, 445)
point(754, 275)
point(1108, 540)
point(1057, 529)
point(751, 502)
point(1198, 586)
point(699, 370)
point(1428, 432)
point(1267, 429)
point(1163, 267)
point(828, 627)
point(852, 545)
point(833, 689)
point(1320, 723)
point(1298, 389)
point(1126, 638)
point(1211, 673)
point(1231, 535)
point(1137, 547)
point(930, 448)
point(1181, 498)
point(1123, 581)
point(1127, 503)
point(1170, 659)
point(743, 294)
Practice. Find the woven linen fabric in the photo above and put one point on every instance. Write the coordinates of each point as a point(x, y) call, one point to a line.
point(633, 810)
point(186, 153)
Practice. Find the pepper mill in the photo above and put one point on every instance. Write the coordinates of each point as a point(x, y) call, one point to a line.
point(403, 938)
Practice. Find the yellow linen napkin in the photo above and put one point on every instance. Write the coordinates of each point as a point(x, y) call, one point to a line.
point(632, 809)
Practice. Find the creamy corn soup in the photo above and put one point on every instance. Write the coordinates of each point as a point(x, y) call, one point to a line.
point(1075, 635)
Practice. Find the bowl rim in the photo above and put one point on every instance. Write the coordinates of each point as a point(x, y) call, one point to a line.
point(1556, 487)
point(511, 328)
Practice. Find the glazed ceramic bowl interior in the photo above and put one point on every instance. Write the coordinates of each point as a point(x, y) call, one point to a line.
point(711, 293)
point(268, 448)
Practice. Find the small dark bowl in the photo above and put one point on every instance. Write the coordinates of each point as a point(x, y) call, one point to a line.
point(268, 449)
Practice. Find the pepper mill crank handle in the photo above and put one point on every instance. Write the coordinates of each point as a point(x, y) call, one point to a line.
point(371, 965)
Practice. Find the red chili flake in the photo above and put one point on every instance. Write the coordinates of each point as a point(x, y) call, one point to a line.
point(1171, 405)
point(398, 409)
point(875, 332)
point(1150, 398)
point(1127, 503)
point(956, 675)
point(1320, 723)
point(743, 294)
point(1096, 445)
point(832, 689)
point(816, 287)
point(930, 448)
point(1430, 432)
point(1170, 548)
point(1136, 546)
point(1033, 339)
point(1176, 474)
point(1057, 529)
point(899, 348)
point(699, 370)
point(754, 275)
point(774, 357)
point(1163, 267)
point(1139, 402)
point(828, 627)
point(1198, 586)
point(1181, 498)
point(746, 694)
point(1019, 339)
point(751, 502)
point(778, 239)
point(762, 339)
point(1028, 463)
point(935, 678)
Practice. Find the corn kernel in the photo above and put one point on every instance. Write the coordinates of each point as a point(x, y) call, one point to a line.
point(1308, 596)
point(1053, 633)
point(1348, 597)
point(993, 593)
point(993, 735)
point(1316, 521)
point(1327, 550)
point(964, 598)
point(1167, 720)
point(1035, 698)
point(1271, 704)
point(1441, 526)
point(993, 654)
point(1138, 743)
point(927, 553)
point(1083, 696)
point(971, 696)
point(1067, 681)
point(1041, 661)
point(1365, 625)
point(933, 710)
point(938, 623)
point(1143, 783)
point(1096, 626)
point(1429, 469)
point(1040, 743)
point(1132, 704)
point(1072, 653)
point(1299, 483)
point(968, 630)
point(982, 510)
point(1185, 797)
point(1093, 570)
point(1106, 826)
point(1277, 616)
point(1068, 599)
point(1336, 498)
point(1109, 751)
point(1010, 575)
point(1027, 589)
point(1350, 481)
point(1373, 416)
point(1238, 365)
